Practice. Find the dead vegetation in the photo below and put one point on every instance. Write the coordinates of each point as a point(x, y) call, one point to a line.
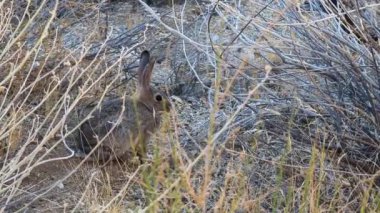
point(276, 106)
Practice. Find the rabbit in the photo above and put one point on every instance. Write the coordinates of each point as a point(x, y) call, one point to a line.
point(140, 116)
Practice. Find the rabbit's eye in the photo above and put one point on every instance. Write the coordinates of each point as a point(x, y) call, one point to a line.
point(158, 97)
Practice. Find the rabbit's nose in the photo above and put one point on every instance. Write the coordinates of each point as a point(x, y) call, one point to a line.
point(167, 106)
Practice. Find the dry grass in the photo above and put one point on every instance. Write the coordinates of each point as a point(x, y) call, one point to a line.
point(274, 108)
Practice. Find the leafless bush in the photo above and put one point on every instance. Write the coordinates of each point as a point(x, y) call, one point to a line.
point(339, 82)
point(42, 85)
point(323, 86)
point(264, 88)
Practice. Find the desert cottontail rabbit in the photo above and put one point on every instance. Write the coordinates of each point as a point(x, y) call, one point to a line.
point(123, 126)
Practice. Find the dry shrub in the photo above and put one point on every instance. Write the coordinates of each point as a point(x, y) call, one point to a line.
point(278, 108)
point(322, 92)
point(42, 84)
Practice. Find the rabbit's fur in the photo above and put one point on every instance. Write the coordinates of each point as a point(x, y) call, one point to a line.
point(124, 124)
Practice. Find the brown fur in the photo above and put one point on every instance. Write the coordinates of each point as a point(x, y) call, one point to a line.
point(123, 126)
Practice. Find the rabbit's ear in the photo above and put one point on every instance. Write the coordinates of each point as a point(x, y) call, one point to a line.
point(145, 71)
